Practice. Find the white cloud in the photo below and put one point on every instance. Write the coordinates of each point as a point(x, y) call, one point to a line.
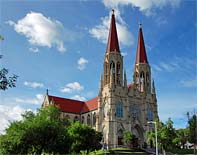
point(37, 100)
point(9, 114)
point(189, 83)
point(42, 31)
point(82, 63)
point(146, 6)
point(72, 87)
point(34, 84)
point(78, 97)
point(101, 31)
point(34, 50)
point(124, 53)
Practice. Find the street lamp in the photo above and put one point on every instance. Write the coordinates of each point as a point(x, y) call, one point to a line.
point(152, 122)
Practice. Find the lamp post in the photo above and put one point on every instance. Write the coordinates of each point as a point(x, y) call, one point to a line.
point(155, 123)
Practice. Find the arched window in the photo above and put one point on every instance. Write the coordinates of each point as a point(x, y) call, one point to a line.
point(135, 111)
point(88, 119)
point(82, 119)
point(119, 110)
point(112, 68)
point(149, 113)
point(76, 118)
point(118, 73)
point(94, 119)
point(67, 116)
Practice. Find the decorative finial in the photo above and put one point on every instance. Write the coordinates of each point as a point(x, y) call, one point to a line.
point(140, 25)
point(47, 92)
point(112, 11)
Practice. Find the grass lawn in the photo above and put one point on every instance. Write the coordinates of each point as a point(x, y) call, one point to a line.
point(118, 151)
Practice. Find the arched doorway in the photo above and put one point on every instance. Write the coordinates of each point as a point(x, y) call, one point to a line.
point(138, 132)
point(120, 137)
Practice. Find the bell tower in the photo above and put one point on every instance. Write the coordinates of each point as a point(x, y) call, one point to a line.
point(142, 72)
point(113, 63)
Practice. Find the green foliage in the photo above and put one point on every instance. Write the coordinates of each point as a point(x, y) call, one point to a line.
point(5, 81)
point(36, 134)
point(128, 137)
point(181, 138)
point(193, 129)
point(84, 138)
point(166, 134)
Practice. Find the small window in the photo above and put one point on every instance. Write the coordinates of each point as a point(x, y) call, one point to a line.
point(119, 110)
point(76, 118)
point(82, 119)
point(88, 119)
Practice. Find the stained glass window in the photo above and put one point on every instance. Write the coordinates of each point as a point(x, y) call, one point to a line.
point(135, 111)
point(149, 113)
point(119, 109)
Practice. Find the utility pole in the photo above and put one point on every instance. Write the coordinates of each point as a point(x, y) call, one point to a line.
point(155, 123)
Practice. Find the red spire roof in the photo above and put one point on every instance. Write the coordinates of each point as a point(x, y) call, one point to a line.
point(113, 44)
point(141, 50)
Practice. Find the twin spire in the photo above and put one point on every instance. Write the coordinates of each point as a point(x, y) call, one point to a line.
point(113, 45)
point(141, 50)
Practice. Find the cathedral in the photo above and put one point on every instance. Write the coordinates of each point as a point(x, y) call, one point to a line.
point(120, 106)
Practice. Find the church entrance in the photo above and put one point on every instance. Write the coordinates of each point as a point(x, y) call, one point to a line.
point(120, 137)
point(138, 140)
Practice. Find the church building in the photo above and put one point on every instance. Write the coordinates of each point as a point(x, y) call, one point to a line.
point(120, 106)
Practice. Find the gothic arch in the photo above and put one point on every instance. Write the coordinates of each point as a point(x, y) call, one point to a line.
point(88, 120)
point(94, 119)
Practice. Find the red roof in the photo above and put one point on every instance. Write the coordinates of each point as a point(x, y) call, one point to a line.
point(113, 44)
point(141, 50)
point(67, 105)
point(74, 106)
point(90, 105)
point(130, 86)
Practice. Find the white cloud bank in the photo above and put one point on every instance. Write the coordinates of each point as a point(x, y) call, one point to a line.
point(145, 6)
point(42, 31)
point(101, 31)
point(33, 84)
point(82, 63)
point(9, 114)
point(72, 87)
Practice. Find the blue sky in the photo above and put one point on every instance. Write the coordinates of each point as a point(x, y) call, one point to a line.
point(60, 46)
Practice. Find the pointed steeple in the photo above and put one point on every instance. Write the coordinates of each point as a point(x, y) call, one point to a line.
point(141, 50)
point(113, 45)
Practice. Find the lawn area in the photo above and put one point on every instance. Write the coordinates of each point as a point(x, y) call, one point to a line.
point(119, 151)
point(182, 151)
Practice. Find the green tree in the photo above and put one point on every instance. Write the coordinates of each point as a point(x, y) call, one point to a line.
point(181, 138)
point(128, 137)
point(166, 134)
point(84, 138)
point(192, 129)
point(44, 132)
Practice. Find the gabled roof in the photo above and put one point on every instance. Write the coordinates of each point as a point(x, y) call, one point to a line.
point(74, 106)
point(67, 105)
point(90, 105)
point(113, 44)
point(141, 50)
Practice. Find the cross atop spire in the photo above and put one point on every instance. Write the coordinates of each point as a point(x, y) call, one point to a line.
point(141, 50)
point(113, 45)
